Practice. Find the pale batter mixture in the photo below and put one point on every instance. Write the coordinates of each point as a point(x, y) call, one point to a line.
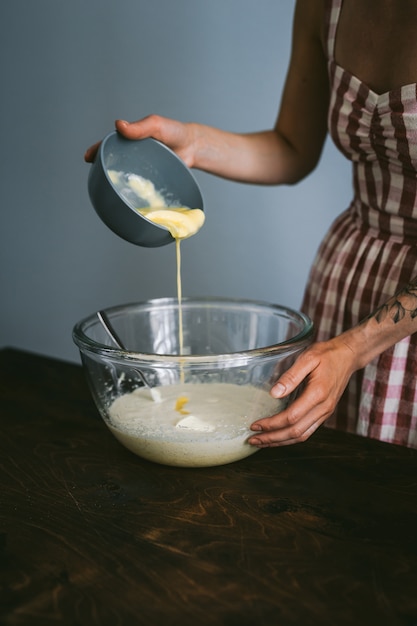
point(195, 424)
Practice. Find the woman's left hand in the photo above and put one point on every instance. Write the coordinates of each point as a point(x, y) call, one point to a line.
point(325, 368)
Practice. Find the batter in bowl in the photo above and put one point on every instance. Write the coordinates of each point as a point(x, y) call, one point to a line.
point(213, 430)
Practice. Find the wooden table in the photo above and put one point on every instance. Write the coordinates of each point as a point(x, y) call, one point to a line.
point(321, 533)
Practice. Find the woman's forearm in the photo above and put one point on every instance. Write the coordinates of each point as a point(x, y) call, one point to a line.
point(264, 157)
point(390, 323)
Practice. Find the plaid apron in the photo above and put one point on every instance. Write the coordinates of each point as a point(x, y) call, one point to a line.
point(370, 250)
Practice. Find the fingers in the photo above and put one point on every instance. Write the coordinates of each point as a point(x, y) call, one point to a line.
point(178, 136)
point(294, 376)
point(325, 368)
point(169, 132)
point(293, 425)
point(150, 126)
point(297, 422)
point(90, 153)
point(141, 129)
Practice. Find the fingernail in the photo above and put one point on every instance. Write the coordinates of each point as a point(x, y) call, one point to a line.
point(256, 427)
point(254, 441)
point(278, 390)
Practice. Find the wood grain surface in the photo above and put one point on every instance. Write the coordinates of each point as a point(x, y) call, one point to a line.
point(321, 533)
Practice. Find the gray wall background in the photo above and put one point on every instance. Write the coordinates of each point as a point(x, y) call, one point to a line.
point(68, 70)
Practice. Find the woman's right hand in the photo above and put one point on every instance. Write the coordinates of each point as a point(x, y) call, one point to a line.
point(178, 136)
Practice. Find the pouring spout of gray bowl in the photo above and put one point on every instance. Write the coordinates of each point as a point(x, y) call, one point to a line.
point(152, 161)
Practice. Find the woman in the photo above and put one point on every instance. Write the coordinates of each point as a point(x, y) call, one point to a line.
point(353, 70)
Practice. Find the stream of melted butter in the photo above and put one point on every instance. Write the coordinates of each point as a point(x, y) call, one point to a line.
point(182, 223)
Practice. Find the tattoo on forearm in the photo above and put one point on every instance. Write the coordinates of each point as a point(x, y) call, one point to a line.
point(396, 308)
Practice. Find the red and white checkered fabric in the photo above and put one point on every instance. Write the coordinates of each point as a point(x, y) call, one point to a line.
point(371, 249)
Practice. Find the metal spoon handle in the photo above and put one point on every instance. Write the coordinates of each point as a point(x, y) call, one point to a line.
point(102, 316)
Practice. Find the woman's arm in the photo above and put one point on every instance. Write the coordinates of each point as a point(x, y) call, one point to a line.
point(284, 154)
point(327, 366)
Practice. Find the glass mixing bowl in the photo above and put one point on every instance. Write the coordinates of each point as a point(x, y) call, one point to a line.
point(209, 392)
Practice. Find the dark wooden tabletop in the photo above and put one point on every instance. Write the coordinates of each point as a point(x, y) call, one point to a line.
point(321, 533)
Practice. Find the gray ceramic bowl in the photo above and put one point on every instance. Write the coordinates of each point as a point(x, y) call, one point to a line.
point(153, 161)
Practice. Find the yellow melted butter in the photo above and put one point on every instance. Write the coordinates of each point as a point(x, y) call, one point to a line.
point(180, 403)
point(181, 222)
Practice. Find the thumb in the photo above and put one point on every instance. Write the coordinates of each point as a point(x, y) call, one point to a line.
point(293, 377)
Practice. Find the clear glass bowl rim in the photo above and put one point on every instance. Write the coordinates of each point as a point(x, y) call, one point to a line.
point(296, 343)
